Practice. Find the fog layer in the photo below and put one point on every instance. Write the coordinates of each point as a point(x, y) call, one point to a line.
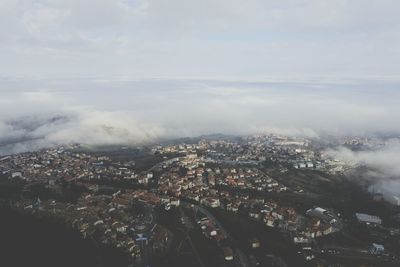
point(383, 164)
point(37, 113)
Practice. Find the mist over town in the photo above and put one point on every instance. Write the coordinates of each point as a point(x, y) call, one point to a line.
point(138, 133)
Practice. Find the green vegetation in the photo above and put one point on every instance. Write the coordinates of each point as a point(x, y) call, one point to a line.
point(44, 241)
point(272, 241)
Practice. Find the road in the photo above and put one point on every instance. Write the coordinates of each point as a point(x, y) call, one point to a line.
point(159, 165)
point(358, 254)
point(242, 257)
point(187, 225)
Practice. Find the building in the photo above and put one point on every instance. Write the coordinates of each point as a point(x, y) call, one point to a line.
point(368, 219)
point(377, 248)
point(211, 202)
point(396, 200)
point(16, 175)
point(175, 202)
point(228, 253)
point(326, 216)
point(255, 243)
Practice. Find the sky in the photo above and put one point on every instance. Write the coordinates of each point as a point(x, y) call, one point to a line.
point(57, 111)
point(135, 71)
point(132, 71)
point(216, 39)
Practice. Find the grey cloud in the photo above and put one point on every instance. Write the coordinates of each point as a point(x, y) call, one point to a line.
point(384, 164)
point(37, 113)
point(218, 38)
point(136, 111)
point(225, 66)
point(385, 159)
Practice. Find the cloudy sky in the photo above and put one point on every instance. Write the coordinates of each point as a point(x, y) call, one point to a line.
point(203, 39)
point(134, 71)
point(92, 111)
point(109, 71)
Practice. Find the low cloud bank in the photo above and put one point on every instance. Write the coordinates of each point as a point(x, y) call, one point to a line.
point(386, 159)
point(36, 113)
point(384, 163)
point(86, 127)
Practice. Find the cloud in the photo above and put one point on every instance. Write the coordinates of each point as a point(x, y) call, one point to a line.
point(210, 38)
point(52, 111)
point(133, 71)
point(385, 159)
point(384, 165)
point(37, 113)
point(102, 127)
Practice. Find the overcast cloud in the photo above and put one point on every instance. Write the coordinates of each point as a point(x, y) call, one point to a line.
point(132, 71)
point(203, 39)
point(46, 111)
point(384, 163)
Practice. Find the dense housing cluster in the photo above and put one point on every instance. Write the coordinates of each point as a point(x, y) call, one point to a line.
point(117, 204)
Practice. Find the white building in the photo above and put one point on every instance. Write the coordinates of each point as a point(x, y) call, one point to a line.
point(377, 248)
point(368, 219)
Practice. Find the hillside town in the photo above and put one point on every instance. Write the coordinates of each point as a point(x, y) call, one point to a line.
point(114, 202)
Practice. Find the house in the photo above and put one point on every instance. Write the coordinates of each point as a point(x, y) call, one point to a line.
point(269, 220)
point(98, 222)
point(16, 175)
point(314, 222)
point(377, 248)
point(121, 203)
point(255, 243)
point(326, 229)
point(254, 214)
point(234, 207)
point(164, 199)
point(143, 180)
point(210, 230)
point(175, 202)
point(228, 253)
point(301, 240)
point(368, 219)
point(211, 202)
point(194, 197)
